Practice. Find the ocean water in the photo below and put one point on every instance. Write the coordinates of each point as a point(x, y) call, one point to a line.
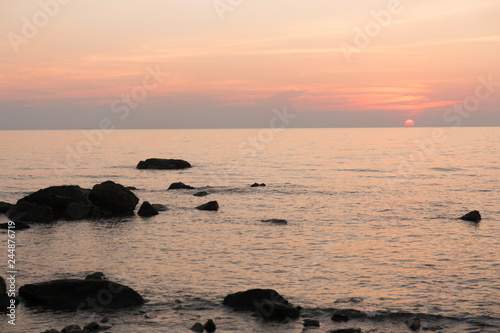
point(372, 225)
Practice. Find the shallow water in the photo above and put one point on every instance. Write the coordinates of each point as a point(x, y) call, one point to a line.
point(372, 214)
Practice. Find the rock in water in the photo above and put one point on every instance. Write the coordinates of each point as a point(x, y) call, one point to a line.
point(96, 276)
point(201, 194)
point(276, 221)
point(267, 303)
point(339, 318)
point(76, 211)
point(25, 211)
point(180, 186)
point(257, 185)
point(72, 329)
point(198, 327)
point(212, 205)
point(413, 324)
point(473, 216)
point(163, 164)
point(147, 210)
point(76, 294)
point(4, 207)
point(160, 207)
point(311, 323)
point(210, 326)
point(114, 198)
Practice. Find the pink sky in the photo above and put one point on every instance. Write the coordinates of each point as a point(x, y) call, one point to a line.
point(263, 54)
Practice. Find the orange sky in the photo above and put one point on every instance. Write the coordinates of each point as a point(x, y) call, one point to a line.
point(426, 58)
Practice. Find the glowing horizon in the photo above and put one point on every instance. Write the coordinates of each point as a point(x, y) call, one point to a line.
point(418, 60)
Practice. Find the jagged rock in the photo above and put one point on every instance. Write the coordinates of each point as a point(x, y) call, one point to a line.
point(147, 210)
point(180, 186)
point(212, 205)
point(210, 326)
point(163, 164)
point(16, 226)
point(75, 294)
point(473, 216)
point(311, 323)
point(4, 207)
point(276, 221)
point(160, 207)
point(257, 185)
point(114, 198)
point(25, 211)
point(201, 194)
point(96, 276)
point(198, 327)
point(413, 323)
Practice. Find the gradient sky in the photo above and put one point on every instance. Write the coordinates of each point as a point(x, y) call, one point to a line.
point(232, 68)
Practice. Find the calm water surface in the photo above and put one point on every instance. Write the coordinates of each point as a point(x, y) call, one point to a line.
point(372, 215)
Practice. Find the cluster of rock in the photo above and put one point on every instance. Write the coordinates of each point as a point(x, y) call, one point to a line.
point(89, 328)
point(209, 326)
point(71, 202)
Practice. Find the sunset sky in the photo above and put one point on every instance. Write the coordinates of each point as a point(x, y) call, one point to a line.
point(230, 65)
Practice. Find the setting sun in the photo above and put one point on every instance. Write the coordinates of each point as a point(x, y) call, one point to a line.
point(409, 123)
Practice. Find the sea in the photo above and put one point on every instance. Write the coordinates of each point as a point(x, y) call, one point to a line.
point(372, 226)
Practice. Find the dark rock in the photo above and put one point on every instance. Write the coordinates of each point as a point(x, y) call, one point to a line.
point(212, 205)
point(4, 207)
point(311, 323)
point(180, 186)
point(210, 326)
point(51, 331)
point(339, 318)
point(473, 216)
point(72, 329)
point(147, 210)
point(104, 320)
point(346, 330)
point(16, 226)
point(276, 221)
point(198, 327)
point(257, 185)
point(77, 211)
point(201, 194)
point(74, 294)
point(96, 276)
point(160, 207)
point(163, 164)
point(245, 300)
point(92, 326)
point(277, 311)
point(350, 313)
point(25, 211)
point(413, 323)
point(112, 197)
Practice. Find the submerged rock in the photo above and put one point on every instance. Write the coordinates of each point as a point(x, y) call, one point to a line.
point(210, 326)
point(147, 210)
point(257, 185)
point(413, 323)
point(4, 207)
point(311, 323)
point(180, 186)
point(267, 303)
point(201, 194)
point(76, 294)
point(163, 164)
point(276, 221)
point(212, 205)
point(115, 198)
point(473, 216)
point(160, 207)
